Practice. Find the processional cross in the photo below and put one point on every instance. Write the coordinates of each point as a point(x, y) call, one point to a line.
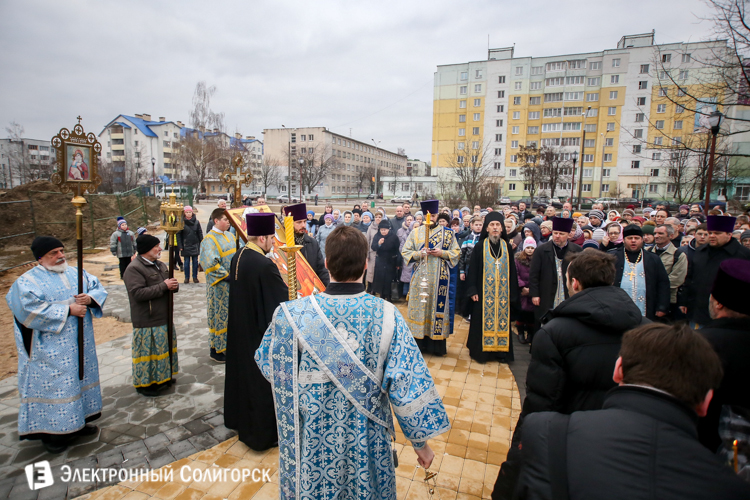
point(236, 177)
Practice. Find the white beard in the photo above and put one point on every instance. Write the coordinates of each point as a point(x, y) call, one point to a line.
point(59, 268)
point(494, 239)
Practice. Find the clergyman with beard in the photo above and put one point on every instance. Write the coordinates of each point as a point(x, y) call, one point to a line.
point(492, 286)
point(56, 403)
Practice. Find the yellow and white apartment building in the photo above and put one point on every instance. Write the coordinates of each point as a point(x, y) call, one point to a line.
point(505, 102)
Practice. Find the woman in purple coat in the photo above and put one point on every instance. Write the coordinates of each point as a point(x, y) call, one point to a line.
point(525, 324)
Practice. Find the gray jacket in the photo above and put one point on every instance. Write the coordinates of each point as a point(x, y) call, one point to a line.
point(115, 243)
point(676, 264)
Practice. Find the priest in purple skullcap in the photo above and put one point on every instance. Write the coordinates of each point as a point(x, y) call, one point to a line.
point(705, 266)
point(310, 247)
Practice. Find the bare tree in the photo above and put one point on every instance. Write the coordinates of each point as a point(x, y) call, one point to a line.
point(18, 160)
point(528, 161)
point(311, 165)
point(202, 117)
point(472, 170)
point(555, 169)
point(270, 172)
point(122, 175)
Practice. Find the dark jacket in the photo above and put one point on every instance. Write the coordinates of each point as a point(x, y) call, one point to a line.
point(189, 239)
point(543, 276)
point(147, 292)
point(524, 216)
point(642, 445)
point(397, 223)
point(730, 338)
point(522, 271)
point(311, 251)
point(657, 281)
point(467, 246)
point(701, 274)
point(572, 359)
point(385, 262)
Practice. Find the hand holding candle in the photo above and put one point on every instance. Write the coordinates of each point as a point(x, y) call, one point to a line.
point(289, 230)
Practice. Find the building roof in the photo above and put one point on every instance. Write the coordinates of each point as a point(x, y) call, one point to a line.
point(143, 125)
point(123, 124)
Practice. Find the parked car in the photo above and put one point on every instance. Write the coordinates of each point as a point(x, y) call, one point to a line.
point(624, 202)
point(202, 196)
point(285, 199)
point(607, 202)
point(400, 199)
point(586, 203)
point(372, 196)
point(504, 201)
point(712, 204)
point(254, 195)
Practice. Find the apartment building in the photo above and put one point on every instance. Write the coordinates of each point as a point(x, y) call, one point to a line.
point(24, 160)
point(616, 111)
point(352, 163)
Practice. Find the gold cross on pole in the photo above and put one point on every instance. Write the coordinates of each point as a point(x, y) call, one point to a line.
point(236, 177)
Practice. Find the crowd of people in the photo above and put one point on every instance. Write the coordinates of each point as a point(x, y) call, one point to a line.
point(637, 324)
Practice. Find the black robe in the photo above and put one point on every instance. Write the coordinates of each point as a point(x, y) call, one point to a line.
point(474, 286)
point(255, 291)
point(543, 276)
point(385, 263)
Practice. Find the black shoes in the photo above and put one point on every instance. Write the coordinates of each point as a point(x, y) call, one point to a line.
point(219, 357)
point(54, 447)
point(87, 430)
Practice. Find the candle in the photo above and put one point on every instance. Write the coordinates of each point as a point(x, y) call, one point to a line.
point(289, 229)
point(734, 449)
point(427, 230)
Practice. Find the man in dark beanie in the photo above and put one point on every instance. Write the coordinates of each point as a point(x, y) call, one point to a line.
point(729, 334)
point(149, 285)
point(58, 395)
point(705, 265)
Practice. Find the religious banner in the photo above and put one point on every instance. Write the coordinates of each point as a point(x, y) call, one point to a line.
point(308, 281)
point(77, 160)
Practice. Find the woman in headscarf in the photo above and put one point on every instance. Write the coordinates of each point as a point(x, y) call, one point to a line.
point(613, 215)
point(419, 217)
point(385, 245)
point(337, 219)
point(312, 224)
point(576, 235)
point(532, 229)
point(348, 218)
point(328, 210)
point(406, 269)
point(514, 236)
point(612, 239)
point(456, 214)
point(372, 231)
point(525, 326)
point(323, 232)
point(364, 224)
point(491, 249)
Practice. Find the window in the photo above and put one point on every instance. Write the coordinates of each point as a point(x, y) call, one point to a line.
point(533, 115)
point(637, 149)
point(537, 70)
point(459, 159)
point(461, 118)
point(612, 111)
point(477, 102)
point(683, 75)
point(513, 144)
point(500, 94)
point(166, 133)
point(478, 73)
point(551, 142)
point(517, 101)
point(653, 188)
point(461, 132)
point(498, 123)
point(593, 82)
point(671, 188)
point(512, 172)
point(311, 137)
point(551, 112)
point(462, 90)
point(513, 158)
point(616, 63)
point(498, 165)
point(176, 136)
point(519, 70)
point(303, 138)
point(135, 143)
point(577, 64)
point(656, 156)
point(498, 137)
point(477, 117)
point(686, 58)
point(588, 159)
point(663, 75)
point(558, 96)
point(638, 133)
point(167, 144)
point(613, 95)
point(461, 145)
point(642, 85)
point(614, 79)
point(573, 111)
point(464, 75)
point(644, 69)
point(555, 82)
point(462, 104)
point(605, 171)
point(654, 172)
point(475, 130)
point(635, 164)
point(663, 92)
point(574, 96)
point(592, 97)
point(608, 158)
point(586, 188)
point(474, 144)
point(658, 141)
point(589, 143)
point(512, 186)
point(518, 85)
point(665, 58)
point(673, 171)
point(533, 130)
point(679, 108)
point(514, 130)
point(571, 141)
point(501, 79)
point(595, 65)
point(501, 108)
point(641, 101)
point(605, 188)
point(516, 115)
point(551, 127)
point(659, 124)
point(556, 66)
point(591, 127)
point(676, 140)
point(678, 125)
point(661, 108)
point(478, 87)
point(535, 101)
point(568, 126)
point(680, 92)
point(498, 151)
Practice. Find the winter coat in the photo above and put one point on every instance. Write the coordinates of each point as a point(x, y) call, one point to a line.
point(535, 230)
point(322, 219)
point(657, 281)
point(523, 268)
point(397, 223)
point(313, 255)
point(610, 246)
point(702, 273)
point(642, 445)
point(406, 269)
point(372, 231)
point(320, 237)
point(147, 292)
point(676, 265)
point(115, 244)
point(543, 276)
point(189, 239)
point(385, 262)
point(312, 228)
point(466, 248)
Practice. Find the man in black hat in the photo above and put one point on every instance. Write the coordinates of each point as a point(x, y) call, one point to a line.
point(705, 264)
point(149, 285)
point(729, 334)
point(641, 274)
point(310, 248)
point(547, 286)
point(58, 395)
point(255, 291)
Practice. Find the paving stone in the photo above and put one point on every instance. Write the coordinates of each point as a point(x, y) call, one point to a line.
point(21, 491)
point(222, 433)
point(215, 421)
point(181, 449)
point(196, 426)
point(110, 458)
point(135, 463)
point(134, 450)
point(157, 442)
point(178, 433)
point(59, 490)
point(160, 458)
point(5, 487)
point(203, 441)
point(78, 488)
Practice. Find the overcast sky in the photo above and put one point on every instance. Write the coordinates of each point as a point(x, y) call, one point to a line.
point(367, 66)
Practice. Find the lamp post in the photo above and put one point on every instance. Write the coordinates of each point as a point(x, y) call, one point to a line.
point(583, 142)
point(714, 119)
point(153, 173)
point(289, 166)
point(601, 177)
point(574, 157)
point(377, 180)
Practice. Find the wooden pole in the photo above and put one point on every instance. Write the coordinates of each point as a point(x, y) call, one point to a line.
point(707, 202)
point(78, 202)
point(170, 302)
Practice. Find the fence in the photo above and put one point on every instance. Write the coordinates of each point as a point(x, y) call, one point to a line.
point(45, 210)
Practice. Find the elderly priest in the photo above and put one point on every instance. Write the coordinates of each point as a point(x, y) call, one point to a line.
point(56, 401)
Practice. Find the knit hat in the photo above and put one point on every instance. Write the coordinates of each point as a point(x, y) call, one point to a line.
point(547, 224)
point(384, 224)
point(145, 243)
point(647, 211)
point(628, 211)
point(187, 207)
point(684, 207)
point(647, 228)
point(140, 231)
point(590, 244)
point(529, 242)
point(44, 244)
point(328, 217)
point(577, 214)
point(369, 214)
point(120, 222)
point(599, 234)
point(310, 212)
point(745, 235)
point(632, 230)
point(598, 214)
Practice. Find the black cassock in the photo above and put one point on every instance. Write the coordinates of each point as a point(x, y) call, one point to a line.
point(385, 263)
point(474, 286)
point(255, 291)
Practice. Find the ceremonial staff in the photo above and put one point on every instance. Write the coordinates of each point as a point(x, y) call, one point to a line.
point(235, 177)
point(77, 163)
point(291, 256)
point(172, 222)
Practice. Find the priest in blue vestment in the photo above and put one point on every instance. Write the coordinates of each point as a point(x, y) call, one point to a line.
point(56, 403)
point(337, 363)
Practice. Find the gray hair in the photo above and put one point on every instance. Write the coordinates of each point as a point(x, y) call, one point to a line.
point(670, 229)
point(672, 220)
